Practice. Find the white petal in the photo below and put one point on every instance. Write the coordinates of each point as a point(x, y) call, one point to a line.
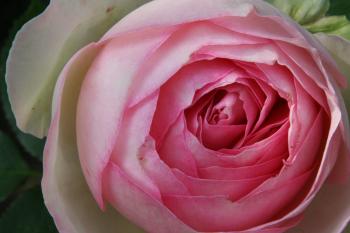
point(66, 193)
point(43, 46)
point(339, 48)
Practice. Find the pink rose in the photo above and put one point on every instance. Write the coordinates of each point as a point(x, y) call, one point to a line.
point(186, 116)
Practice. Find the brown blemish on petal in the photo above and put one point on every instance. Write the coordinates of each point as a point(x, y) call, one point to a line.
point(109, 9)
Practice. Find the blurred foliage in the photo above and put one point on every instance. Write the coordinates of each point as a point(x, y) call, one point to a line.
point(30, 144)
point(21, 205)
point(27, 214)
point(13, 169)
point(340, 7)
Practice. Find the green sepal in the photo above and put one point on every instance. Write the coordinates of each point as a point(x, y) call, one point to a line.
point(303, 11)
point(333, 25)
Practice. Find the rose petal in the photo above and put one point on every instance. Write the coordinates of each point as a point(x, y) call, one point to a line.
point(179, 12)
point(181, 158)
point(132, 202)
point(102, 100)
point(225, 215)
point(44, 45)
point(233, 189)
point(329, 157)
point(259, 53)
point(219, 136)
point(62, 177)
point(339, 48)
point(329, 211)
point(133, 131)
point(177, 94)
point(263, 151)
point(178, 49)
point(160, 172)
point(224, 173)
point(311, 146)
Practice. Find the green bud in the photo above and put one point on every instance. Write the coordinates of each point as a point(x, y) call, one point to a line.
point(303, 11)
point(333, 25)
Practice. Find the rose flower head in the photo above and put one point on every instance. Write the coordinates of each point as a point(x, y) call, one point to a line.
point(185, 116)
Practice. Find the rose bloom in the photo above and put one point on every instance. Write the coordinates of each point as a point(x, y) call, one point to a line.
point(185, 116)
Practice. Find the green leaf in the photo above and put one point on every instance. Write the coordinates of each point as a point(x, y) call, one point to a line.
point(13, 169)
point(32, 145)
point(347, 229)
point(27, 214)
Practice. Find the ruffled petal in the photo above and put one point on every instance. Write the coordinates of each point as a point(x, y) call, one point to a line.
point(141, 208)
point(188, 80)
point(133, 132)
point(103, 99)
point(66, 194)
point(225, 215)
point(43, 46)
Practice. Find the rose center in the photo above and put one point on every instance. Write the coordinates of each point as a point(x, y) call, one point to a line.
point(226, 109)
point(236, 115)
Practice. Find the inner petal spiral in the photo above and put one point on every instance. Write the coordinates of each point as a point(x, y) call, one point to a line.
point(235, 115)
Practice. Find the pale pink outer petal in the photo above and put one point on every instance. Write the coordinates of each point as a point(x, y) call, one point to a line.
point(176, 52)
point(329, 211)
point(44, 45)
point(133, 132)
point(144, 210)
point(173, 13)
point(66, 194)
point(339, 48)
point(102, 100)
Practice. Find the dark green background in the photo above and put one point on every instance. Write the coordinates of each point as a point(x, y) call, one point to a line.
point(21, 205)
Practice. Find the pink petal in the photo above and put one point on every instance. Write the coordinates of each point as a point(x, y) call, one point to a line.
point(159, 172)
point(103, 97)
point(223, 173)
point(300, 73)
point(327, 164)
point(250, 104)
point(232, 189)
point(177, 94)
point(302, 117)
point(311, 146)
point(63, 178)
point(329, 212)
point(274, 147)
point(141, 208)
point(179, 12)
point(178, 49)
point(181, 158)
point(133, 132)
point(219, 136)
point(220, 214)
point(258, 53)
